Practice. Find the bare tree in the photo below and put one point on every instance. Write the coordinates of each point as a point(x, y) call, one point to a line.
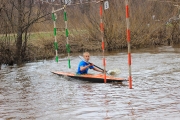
point(21, 15)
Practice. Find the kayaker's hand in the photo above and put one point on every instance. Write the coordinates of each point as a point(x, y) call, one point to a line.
point(90, 64)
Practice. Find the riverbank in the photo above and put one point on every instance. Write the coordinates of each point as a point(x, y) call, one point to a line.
point(40, 45)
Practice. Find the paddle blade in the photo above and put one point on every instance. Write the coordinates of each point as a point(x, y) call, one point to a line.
point(114, 72)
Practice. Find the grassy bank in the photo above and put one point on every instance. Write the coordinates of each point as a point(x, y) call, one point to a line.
point(41, 45)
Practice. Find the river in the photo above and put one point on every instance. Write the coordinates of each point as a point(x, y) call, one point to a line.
point(31, 91)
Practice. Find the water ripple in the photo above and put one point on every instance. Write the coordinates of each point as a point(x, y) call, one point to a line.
point(33, 92)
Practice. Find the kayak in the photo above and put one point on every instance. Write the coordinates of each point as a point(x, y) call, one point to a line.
point(99, 78)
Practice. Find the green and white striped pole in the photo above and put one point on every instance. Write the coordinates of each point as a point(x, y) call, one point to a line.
point(67, 34)
point(55, 32)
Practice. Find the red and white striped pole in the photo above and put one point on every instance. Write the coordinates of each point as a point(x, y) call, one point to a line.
point(102, 37)
point(128, 41)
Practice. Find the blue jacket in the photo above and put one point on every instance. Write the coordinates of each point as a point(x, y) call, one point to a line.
point(82, 64)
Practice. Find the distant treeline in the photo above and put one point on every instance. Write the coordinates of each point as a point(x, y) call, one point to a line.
point(152, 23)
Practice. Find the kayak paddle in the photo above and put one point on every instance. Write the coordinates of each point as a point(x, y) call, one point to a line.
point(110, 72)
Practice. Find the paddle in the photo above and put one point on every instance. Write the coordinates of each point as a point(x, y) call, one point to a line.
point(110, 72)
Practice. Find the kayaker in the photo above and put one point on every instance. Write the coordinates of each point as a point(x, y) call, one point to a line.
point(84, 65)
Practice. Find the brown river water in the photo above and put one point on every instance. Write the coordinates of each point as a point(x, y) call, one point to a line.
point(31, 91)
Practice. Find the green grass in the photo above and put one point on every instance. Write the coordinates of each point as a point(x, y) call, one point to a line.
point(45, 35)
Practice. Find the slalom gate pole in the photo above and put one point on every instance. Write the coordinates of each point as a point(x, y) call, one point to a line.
point(102, 37)
point(128, 41)
point(67, 39)
point(54, 17)
point(55, 31)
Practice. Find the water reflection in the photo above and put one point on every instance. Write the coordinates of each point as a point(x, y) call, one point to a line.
point(33, 92)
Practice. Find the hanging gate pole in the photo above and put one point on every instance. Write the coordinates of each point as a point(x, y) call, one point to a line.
point(102, 37)
point(128, 41)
